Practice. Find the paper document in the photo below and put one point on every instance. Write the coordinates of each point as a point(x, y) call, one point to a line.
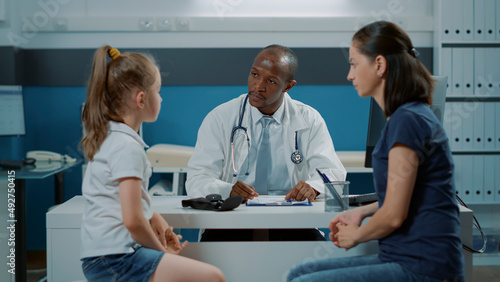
point(265, 200)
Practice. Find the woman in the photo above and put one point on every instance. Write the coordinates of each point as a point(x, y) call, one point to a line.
point(416, 218)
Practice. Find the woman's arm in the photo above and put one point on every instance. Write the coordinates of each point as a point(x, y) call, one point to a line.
point(133, 216)
point(402, 173)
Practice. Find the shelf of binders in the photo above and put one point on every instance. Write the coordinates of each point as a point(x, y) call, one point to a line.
point(487, 44)
point(473, 126)
point(471, 98)
point(467, 50)
point(461, 21)
point(476, 178)
point(473, 72)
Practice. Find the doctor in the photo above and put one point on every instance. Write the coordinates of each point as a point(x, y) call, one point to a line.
point(236, 154)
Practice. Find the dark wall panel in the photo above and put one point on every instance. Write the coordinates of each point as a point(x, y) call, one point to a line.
point(7, 66)
point(193, 66)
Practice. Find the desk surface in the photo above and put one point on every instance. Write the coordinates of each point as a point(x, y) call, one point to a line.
point(42, 169)
point(68, 215)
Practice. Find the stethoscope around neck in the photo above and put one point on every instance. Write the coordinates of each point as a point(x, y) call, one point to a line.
point(296, 156)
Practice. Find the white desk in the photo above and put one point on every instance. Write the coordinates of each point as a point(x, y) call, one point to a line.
point(240, 261)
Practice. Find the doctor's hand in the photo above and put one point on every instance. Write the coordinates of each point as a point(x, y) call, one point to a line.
point(245, 190)
point(301, 191)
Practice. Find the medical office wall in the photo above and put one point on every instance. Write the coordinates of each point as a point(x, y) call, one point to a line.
point(205, 49)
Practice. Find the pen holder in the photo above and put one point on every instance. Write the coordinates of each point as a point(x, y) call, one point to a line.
point(336, 196)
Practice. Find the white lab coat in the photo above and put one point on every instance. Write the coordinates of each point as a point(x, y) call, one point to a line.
point(210, 169)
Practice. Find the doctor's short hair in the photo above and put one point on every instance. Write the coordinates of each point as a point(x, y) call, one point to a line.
point(287, 54)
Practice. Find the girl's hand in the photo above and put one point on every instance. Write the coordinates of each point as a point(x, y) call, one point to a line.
point(160, 227)
point(169, 240)
point(173, 242)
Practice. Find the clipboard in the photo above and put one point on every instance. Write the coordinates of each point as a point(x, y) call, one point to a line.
point(265, 200)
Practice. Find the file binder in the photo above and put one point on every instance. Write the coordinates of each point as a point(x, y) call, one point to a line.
point(478, 128)
point(497, 129)
point(497, 178)
point(468, 20)
point(467, 116)
point(497, 17)
point(489, 178)
point(489, 20)
point(468, 71)
point(447, 122)
point(446, 67)
point(457, 173)
point(479, 20)
point(446, 19)
point(456, 124)
point(478, 178)
point(457, 22)
point(467, 179)
point(489, 126)
point(480, 81)
point(491, 70)
point(457, 71)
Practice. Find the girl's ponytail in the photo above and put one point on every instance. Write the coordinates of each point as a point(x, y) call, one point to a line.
point(110, 89)
point(94, 116)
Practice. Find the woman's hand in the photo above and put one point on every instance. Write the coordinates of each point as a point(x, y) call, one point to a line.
point(347, 222)
point(352, 217)
point(346, 236)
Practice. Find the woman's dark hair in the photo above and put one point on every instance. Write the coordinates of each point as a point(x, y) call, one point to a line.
point(407, 79)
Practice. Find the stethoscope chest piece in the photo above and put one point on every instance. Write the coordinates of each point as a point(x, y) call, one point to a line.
point(297, 157)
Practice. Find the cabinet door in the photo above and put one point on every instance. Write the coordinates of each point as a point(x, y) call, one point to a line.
point(63, 255)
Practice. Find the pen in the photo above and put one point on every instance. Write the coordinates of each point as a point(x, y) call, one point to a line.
point(326, 177)
point(336, 195)
point(323, 176)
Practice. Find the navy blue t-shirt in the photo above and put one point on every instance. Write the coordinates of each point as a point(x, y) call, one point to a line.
point(429, 240)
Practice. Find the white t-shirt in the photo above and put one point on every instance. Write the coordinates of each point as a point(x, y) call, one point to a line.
point(121, 155)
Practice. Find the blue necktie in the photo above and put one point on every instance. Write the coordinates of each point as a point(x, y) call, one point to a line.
point(263, 157)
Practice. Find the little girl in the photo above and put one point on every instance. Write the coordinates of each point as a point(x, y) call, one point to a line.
point(122, 238)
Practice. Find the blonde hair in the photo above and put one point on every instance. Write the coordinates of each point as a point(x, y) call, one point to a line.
point(109, 92)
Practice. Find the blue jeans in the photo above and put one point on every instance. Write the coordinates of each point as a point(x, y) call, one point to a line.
point(352, 269)
point(136, 266)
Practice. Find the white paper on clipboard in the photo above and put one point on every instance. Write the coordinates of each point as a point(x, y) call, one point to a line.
point(266, 200)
